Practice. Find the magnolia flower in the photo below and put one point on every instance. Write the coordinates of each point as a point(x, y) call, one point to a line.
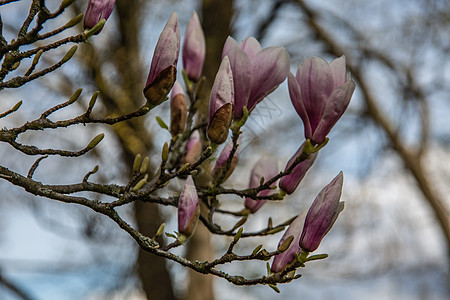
point(322, 214)
point(178, 109)
point(290, 182)
point(193, 148)
point(96, 11)
point(320, 93)
point(257, 72)
point(280, 261)
point(221, 161)
point(265, 168)
point(188, 208)
point(194, 48)
point(221, 103)
point(163, 69)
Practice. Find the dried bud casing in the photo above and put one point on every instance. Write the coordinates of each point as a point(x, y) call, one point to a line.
point(157, 91)
point(220, 123)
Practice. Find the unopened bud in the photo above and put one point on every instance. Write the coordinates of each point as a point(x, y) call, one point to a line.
point(95, 141)
point(16, 65)
point(144, 165)
point(238, 235)
point(66, 3)
point(75, 96)
point(256, 250)
point(95, 29)
point(37, 57)
point(160, 230)
point(161, 123)
point(16, 107)
point(178, 109)
point(136, 163)
point(69, 54)
point(93, 100)
point(140, 184)
point(286, 243)
point(165, 152)
point(74, 21)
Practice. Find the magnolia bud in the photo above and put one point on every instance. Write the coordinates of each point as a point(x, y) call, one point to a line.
point(188, 208)
point(221, 104)
point(163, 69)
point(178, 109)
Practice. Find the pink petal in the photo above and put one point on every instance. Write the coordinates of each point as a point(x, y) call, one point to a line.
point(167, 48)
point(242, 79)
point(334, 109)
point(316, 84)
point(230, 43)
point(270, 68)
point(296, 99)
point(251, 46)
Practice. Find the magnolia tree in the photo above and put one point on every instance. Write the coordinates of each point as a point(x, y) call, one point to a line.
point(320, 93)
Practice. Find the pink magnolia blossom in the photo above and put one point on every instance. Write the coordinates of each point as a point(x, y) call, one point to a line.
point(188, 208)
point(257, 72)
point(322, 214)
point(320, 93)
point(163, 68)
point(280, 261)
point(290, 182)
point(96, 11)
point(221, 103)
point(194, 49)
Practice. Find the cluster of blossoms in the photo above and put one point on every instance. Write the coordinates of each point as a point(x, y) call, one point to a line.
point(320, 93)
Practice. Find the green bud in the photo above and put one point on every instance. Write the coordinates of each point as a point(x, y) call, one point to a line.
point(182, 238)
point(144, 165)
point(161, 123)
point(69, 54)
point(93, 100)
point(96, 28)
point(139, 184)
point(16, 65)
point(286, 243)
point(160, 229)
point(261, 181)
point(95, 141)
point(265, 254)
point(238, 235)
point(317, 257)
point(184, 167)
point(75, 95)
point(16, 107)
point(240, 222)
point(66, 3)
point(37, 57)
point(256, 250)
point(94, 170)
point(269, 272)
point(165, 152)
point(171, 235)
point(74, 21)
point(136, 163)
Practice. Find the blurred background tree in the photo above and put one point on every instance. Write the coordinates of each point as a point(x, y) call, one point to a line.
point(392, 144)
